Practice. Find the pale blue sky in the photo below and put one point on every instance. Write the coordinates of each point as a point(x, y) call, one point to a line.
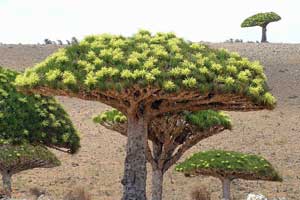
point(31, 21)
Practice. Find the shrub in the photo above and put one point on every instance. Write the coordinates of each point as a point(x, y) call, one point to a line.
point(78, 193)
point(200, 193)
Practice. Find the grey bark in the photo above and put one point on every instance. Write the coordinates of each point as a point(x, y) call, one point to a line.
point(157, 184)
point(135, 174)
point(264, 34)
point(6, 178)
point(226, 188)
point(157, 173)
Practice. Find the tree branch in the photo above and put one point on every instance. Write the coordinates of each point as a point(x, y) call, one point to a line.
point(58, 149)
point(228, 102)
point(118, 127)
point(190, 142)
point(95, 95)
point(150, 157)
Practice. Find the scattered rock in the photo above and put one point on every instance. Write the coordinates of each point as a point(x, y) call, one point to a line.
point(252, 196)
point(293, 97)
point(283, 70)
point(75, 164)
point(43, 197)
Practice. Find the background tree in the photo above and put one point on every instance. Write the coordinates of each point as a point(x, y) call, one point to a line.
point(171, 137)
point(29, 124)
point(227, 166)
point(262, 20)
point(145, 76)
point(59, 42)
point(74, 40)
point(47, 41)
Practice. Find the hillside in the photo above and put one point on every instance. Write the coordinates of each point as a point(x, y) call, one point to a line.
point(99, 164)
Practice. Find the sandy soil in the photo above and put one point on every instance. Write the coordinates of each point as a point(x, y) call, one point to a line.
point(99, 164)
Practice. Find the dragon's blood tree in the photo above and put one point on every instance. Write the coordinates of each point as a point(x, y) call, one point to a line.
point(145, 76)
point(171, 137)
point(17, 158)
point(227, 166)
point(29, 124)
point(262, 20)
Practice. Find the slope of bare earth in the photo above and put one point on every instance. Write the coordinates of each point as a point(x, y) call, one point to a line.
point(99, 164)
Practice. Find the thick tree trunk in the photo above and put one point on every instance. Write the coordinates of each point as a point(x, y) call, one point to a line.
point(6, 178)
point(157, 173)
point(157, 184)
point(135, 173)
point(264, 34)
point(226, 188)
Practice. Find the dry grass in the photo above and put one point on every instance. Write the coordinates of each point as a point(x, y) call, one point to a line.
point(78, 193)
point(200, 193)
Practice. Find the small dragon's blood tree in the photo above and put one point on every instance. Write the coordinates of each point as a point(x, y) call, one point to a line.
point(227, 166)
point(262, 20)
point(29, 124)
point(17, 158)
point(171, 137)
point(145, 76)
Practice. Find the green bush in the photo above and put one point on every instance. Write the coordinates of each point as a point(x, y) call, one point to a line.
point(33, 119)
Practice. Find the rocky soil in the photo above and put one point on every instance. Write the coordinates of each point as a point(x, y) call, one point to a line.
point(99, 165)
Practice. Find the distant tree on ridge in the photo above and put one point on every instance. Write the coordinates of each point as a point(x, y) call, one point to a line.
point(262, 20)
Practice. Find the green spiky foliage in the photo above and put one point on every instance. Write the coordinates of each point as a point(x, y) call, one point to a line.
point(16, 158)
point(229, 164)
point(33, 119)
point(206, 119)
point(111, 116)
point(163, 61)
point(261, 19)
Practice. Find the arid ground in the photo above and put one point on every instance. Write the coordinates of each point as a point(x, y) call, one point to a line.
point(99, 165)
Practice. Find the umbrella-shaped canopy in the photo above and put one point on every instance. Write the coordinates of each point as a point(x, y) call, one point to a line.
point(229, 164)
point(16, 158)
point(261, 19)
point(117, 70)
